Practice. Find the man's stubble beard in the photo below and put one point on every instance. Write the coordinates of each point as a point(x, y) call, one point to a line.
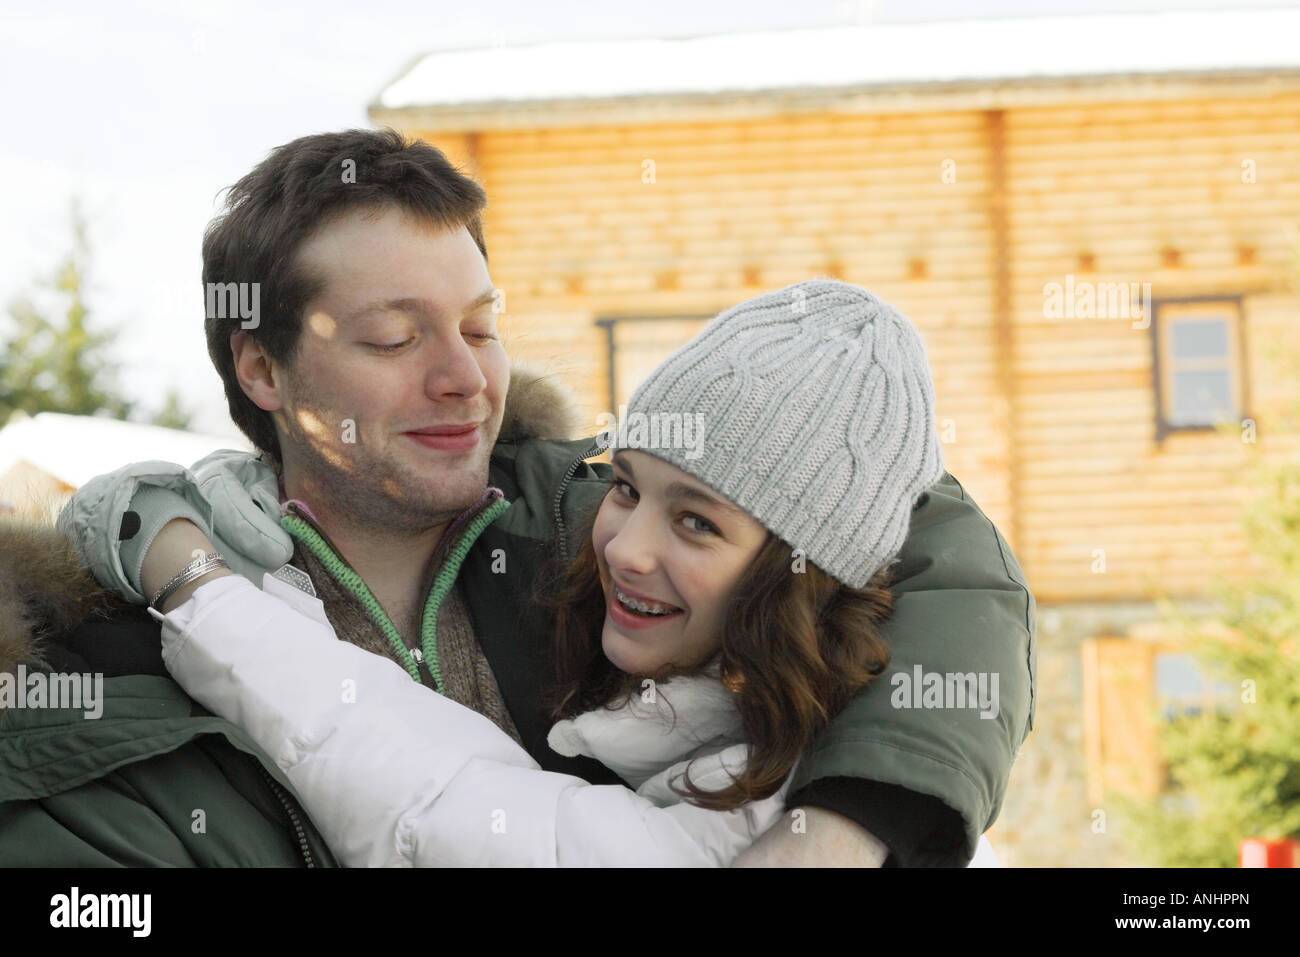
point(377, 492)
point(375, 489)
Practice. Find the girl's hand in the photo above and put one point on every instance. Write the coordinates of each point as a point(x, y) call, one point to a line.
point(178, 544)
point(232, 494)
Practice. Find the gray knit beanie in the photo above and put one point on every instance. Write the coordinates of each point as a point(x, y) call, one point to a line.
point(812, 409)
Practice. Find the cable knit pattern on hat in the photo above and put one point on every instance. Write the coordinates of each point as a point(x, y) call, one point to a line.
point(818, 420)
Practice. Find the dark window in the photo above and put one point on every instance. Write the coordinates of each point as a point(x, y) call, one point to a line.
point(637, 344)
point(1200, 373)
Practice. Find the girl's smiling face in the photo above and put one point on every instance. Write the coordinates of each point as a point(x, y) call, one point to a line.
point(670, 551)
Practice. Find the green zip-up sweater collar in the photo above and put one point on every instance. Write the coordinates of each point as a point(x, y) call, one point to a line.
point(450, 553)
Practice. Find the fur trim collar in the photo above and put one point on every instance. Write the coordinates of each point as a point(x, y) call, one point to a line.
point(44, 592)
point(539, 405)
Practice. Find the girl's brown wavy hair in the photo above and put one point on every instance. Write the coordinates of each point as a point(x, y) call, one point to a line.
point(796, 646)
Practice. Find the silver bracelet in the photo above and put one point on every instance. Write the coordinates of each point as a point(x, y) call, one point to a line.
point(191, 572)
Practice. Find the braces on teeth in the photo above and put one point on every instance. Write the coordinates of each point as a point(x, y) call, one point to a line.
point(644, 607)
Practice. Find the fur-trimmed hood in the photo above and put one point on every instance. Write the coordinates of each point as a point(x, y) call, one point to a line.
point(539, 405)
point(44, 591)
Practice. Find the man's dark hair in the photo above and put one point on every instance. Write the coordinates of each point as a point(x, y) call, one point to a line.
point(274, 209)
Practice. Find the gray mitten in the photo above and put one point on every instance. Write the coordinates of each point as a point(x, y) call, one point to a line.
point(151, 507)
point(96, 520)
point(232, 496)
point(244, 495)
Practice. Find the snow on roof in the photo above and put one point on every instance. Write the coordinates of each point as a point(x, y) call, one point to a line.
point(854, 56)
point(76, 448)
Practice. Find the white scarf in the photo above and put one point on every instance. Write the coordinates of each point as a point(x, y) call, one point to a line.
point(688, 720)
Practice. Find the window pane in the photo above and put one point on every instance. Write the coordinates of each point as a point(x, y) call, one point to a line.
point(641, 344)
point(1199, 338)
point(1201, 397)
point(1182, 685)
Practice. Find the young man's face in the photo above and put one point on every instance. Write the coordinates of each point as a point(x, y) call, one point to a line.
point(393, 401)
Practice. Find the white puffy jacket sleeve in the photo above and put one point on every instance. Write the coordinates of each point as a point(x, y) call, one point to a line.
point(395, 774)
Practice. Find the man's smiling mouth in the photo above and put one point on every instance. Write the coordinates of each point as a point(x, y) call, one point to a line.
point(444, 429)
point(447, 438)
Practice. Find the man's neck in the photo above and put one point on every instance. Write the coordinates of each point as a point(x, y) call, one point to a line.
point(394, 563)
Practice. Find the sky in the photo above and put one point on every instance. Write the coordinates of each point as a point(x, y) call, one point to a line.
point(145, 111)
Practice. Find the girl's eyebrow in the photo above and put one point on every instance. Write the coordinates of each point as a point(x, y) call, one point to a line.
point(680, 490)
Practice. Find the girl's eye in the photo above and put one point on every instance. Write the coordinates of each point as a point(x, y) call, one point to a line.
point(481, 336)
point(704, 525)
point(624, 490)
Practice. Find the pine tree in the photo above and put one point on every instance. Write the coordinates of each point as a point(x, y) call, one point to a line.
point(52, 361)
point(1235, 769)
point(173, 414)
point(59, 366)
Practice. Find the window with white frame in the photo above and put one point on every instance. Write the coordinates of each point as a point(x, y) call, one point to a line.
point(1200, 372)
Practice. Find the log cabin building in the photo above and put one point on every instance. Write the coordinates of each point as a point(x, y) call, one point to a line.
point(1092, 220)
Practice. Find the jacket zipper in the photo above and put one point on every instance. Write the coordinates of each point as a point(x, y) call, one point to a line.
point(416, 654)
point(287, 803)
point(596, 449)
point(419, 661)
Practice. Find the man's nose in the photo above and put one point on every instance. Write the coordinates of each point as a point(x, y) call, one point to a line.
point(453, 370)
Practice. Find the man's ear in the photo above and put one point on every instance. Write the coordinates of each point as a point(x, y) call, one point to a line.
point(255, 371)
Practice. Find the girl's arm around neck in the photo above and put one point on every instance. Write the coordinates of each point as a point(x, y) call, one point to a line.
point(394, 773)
